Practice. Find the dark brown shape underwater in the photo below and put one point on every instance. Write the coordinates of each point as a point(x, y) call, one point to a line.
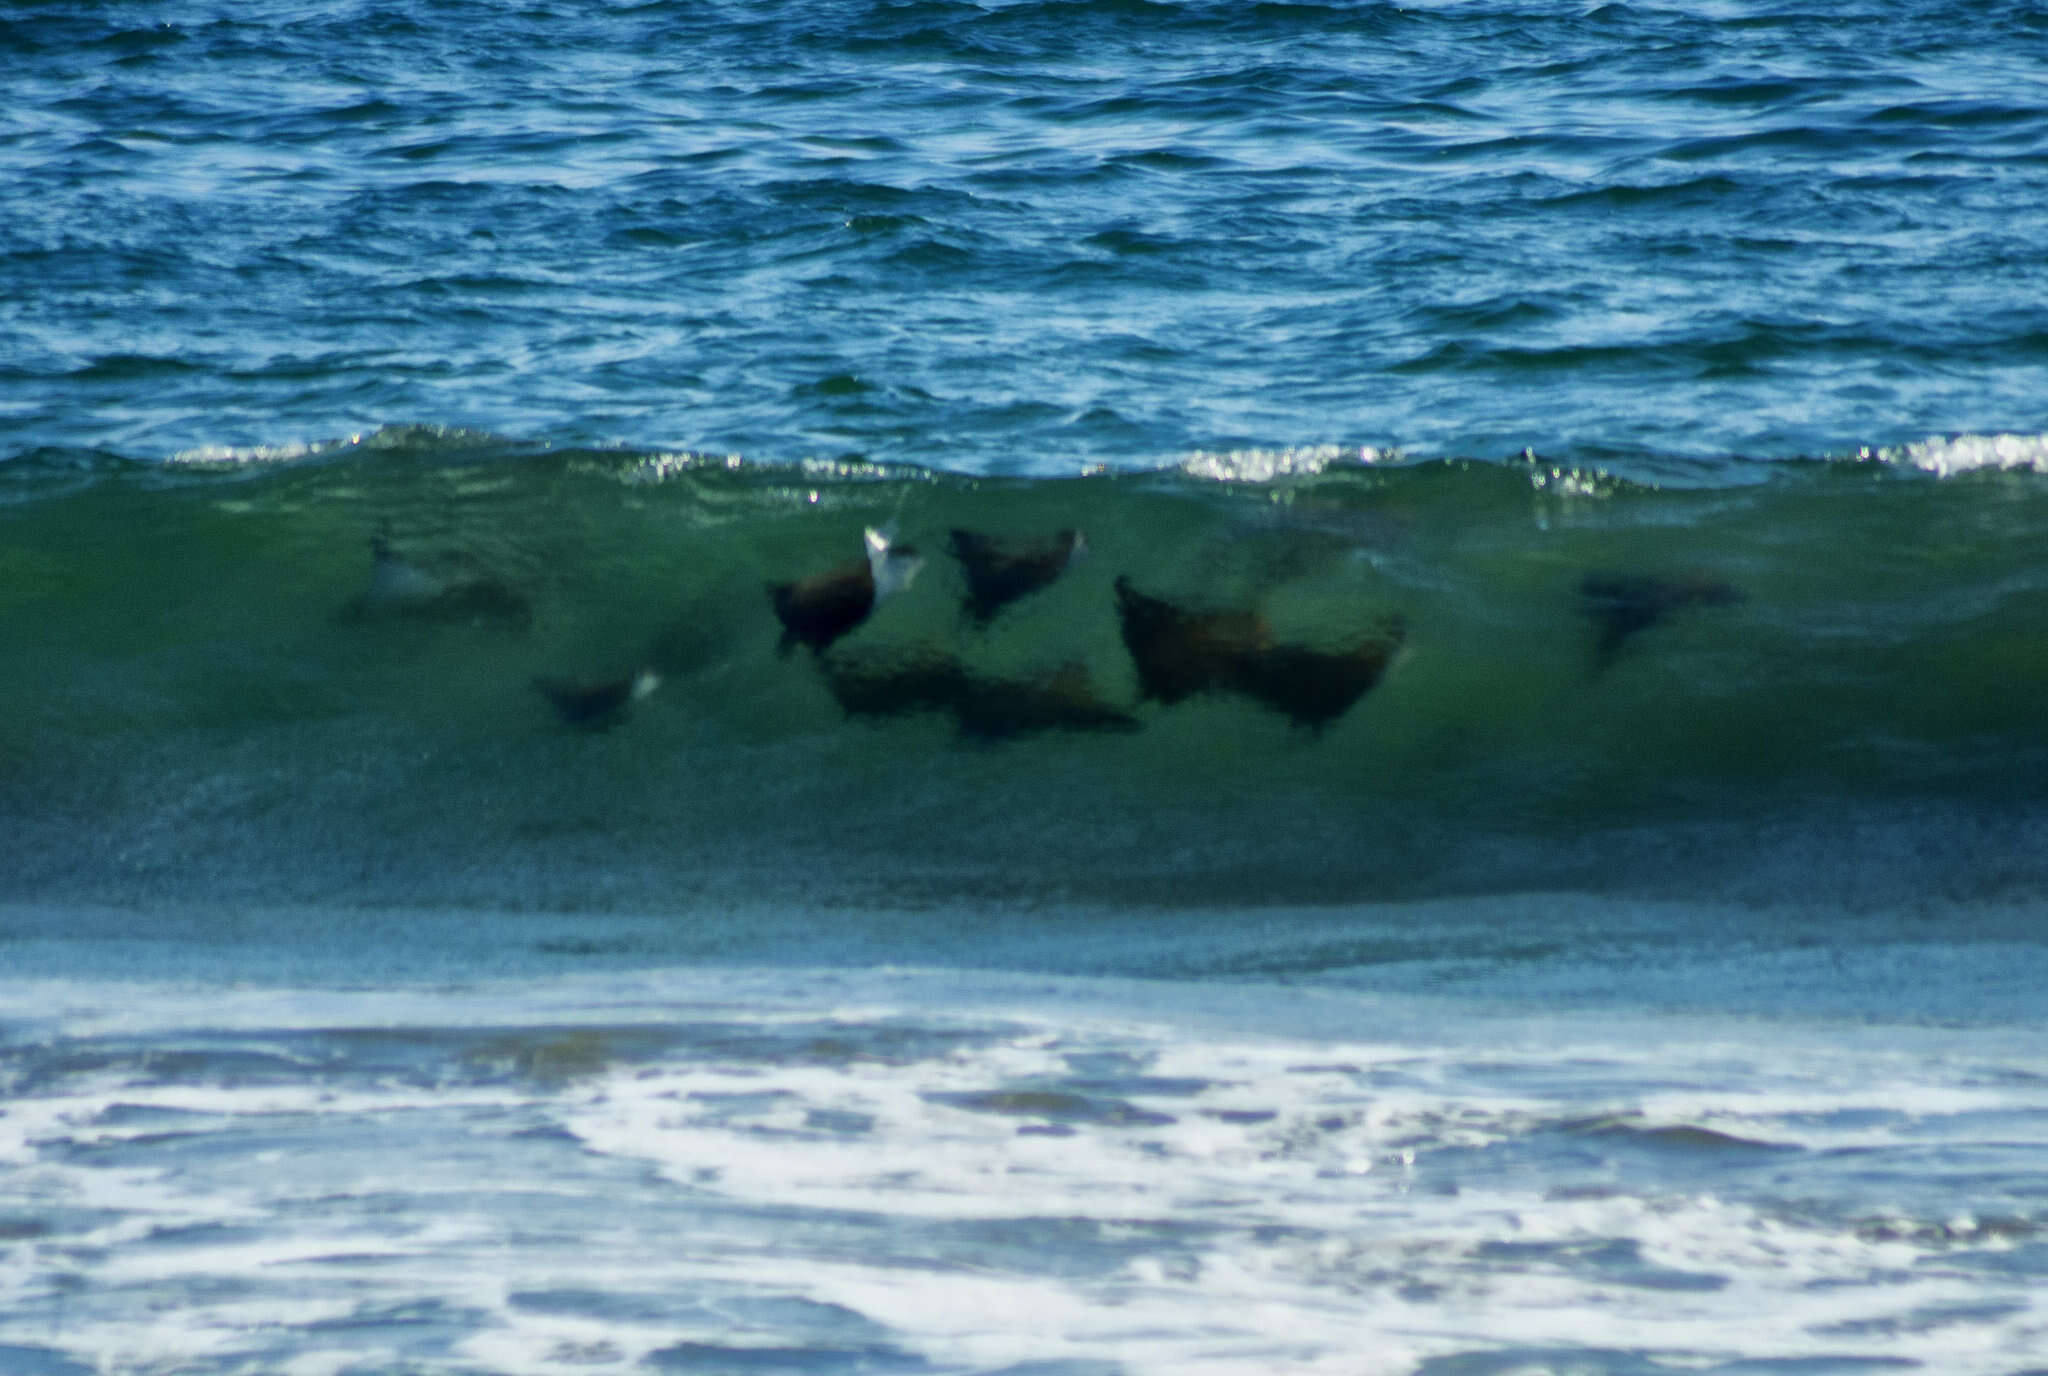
point(1179, 652)
point(1622, 604)
point(981, 706)
point(596, 704)
point(441, 590)
point(1313, 688)
point(924, 681)
point(1064, 700)
point(819, 610)
point(1001, 571)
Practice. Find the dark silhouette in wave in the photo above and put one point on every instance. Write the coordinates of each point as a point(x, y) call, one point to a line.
point(1000, 571)
point(1180, 651)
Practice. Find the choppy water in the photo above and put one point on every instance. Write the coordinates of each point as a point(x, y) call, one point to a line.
point(1513, 848)
point(1022, 237)
point(902, 1173)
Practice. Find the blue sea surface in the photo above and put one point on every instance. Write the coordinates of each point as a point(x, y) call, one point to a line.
point(1023, 688)
point(1026, 237)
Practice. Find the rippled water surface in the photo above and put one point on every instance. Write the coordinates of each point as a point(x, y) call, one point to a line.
point(1026, 236)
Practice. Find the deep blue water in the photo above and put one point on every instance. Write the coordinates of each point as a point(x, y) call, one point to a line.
point(1026, 237)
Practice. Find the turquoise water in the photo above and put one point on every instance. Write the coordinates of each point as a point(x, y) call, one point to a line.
point(353, 674)
point(1063, 688)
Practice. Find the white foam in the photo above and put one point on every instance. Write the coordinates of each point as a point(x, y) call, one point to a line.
point(1236, 1179)
point(1269, 465)
point(447, 438)
point(1948, 456)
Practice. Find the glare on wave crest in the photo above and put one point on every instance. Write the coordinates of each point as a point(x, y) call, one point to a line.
point(384, 437)
point(254, 455)
point(1946, 456)
point(652, 470)
point(1265, 465)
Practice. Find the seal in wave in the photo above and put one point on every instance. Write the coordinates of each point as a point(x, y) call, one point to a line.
point(1000, 572)
point(596, 705)
point(818, 610)
point(1179, 652)
point(445, 589)
point(1622, 604)
point(983, 707)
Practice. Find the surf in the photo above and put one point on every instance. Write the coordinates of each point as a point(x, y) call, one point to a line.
point(1355, 678)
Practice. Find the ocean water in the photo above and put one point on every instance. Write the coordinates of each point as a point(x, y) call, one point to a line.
point(1066, 688)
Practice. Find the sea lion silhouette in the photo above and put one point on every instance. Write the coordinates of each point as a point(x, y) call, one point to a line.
point(1622, 604)
point(1064, 700)
point(982, 706)
point(598, 705)
point(818, 610)
point(1000, 571)
point(1313, 688)
point(1179, 652)
point(445, 589)
point(919, 681)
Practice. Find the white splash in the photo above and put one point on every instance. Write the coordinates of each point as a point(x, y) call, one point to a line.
point(1267, 465)
point(1947, 456)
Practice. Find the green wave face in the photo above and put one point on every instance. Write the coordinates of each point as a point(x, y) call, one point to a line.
point(440, 668)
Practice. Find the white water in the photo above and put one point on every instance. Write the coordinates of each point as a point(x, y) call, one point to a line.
point(890, 1170)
